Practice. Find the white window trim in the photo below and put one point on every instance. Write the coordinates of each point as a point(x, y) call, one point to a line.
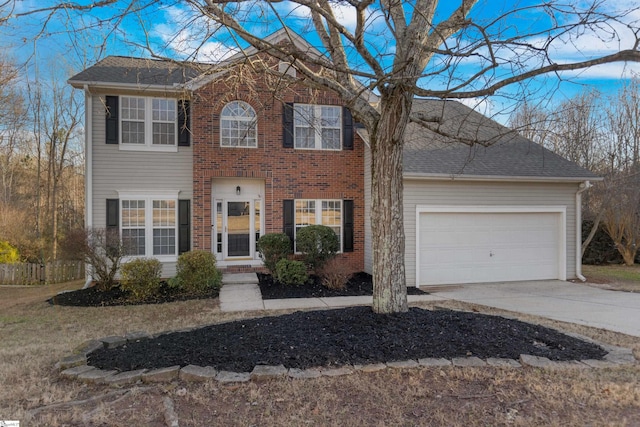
point(318, 214)
point(317, 116)
point(149, 197)
point(240, 119)
point(148, 128)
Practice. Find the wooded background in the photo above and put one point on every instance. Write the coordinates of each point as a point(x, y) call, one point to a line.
point(41, 164)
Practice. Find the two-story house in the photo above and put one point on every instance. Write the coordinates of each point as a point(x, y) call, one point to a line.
point(191, 156)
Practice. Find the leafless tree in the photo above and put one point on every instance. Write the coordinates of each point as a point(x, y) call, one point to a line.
point(602, 134)
point(534, 122)
point(61, 122)
point(579, 130)
point(40, 177)
point(400, 50)
point(622, 213)
point(102, 249)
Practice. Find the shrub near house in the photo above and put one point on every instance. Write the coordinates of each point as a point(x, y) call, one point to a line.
point(196, 273)
point(272, 248)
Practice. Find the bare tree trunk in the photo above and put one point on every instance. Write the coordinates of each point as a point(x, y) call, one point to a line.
point(628, 255)
point(592, 232)
point(54, 221)
point(389, 280)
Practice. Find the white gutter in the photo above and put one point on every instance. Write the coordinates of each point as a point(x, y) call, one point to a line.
point(78, 84)
point(584, 186)
point(88, 170)
point(449, 177)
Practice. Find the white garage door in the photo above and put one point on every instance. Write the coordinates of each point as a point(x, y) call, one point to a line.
point(477, 247)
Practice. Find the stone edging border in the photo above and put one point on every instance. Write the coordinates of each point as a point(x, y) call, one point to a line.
point(75, 366)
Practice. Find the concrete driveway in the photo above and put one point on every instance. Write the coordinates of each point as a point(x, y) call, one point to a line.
point(554, 299)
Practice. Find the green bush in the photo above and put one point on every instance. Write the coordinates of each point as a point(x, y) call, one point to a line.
point(196, 273)
point(318, 244)
point(141, 277)
point(272, 248)
point(289, 272)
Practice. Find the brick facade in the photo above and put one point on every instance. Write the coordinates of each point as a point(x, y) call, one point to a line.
point(287, 173)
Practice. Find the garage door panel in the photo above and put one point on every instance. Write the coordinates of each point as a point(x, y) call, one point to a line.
point(470, 247)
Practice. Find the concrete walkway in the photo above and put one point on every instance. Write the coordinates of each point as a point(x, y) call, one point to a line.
point(240, 292)
point(554, 299)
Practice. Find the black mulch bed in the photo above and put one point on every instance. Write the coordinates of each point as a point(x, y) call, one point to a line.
point(343, 337)
point(92, 297)
point(360, 284)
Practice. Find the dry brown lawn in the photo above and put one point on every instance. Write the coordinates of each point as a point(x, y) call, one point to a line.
point(35, 335)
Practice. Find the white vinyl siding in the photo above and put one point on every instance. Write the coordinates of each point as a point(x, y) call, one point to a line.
point(145, 172)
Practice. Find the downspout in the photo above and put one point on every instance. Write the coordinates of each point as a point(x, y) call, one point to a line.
point(88, 171)
point(584, 186)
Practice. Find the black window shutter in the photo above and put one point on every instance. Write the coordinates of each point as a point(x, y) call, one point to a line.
point(288, 214)
point(347, 129)
point(184, 226)
point(287, 125)
point(111, 124)
point(347, 225)
point(184, 125)
point(113, 214)
point(113, 224)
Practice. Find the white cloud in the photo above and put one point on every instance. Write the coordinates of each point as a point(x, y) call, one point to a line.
point(344, 13)
point(189, 35)
point(482, 105)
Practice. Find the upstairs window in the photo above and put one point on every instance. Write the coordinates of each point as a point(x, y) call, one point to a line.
point(317, 127)
point(238, 125)
point(148, 123)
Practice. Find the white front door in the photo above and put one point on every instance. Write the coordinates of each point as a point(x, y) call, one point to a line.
point(237, 228)
point(237, 221)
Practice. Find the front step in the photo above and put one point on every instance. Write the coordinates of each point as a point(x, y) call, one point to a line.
point(239, 278)
point(242, 269)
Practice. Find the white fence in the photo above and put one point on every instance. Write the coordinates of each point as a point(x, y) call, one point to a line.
point(39, 274)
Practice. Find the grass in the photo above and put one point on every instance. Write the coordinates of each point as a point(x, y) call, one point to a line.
point(617, 277)
point(36, 335)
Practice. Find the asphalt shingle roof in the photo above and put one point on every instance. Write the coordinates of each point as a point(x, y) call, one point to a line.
point(140, 71)
point(499, 151)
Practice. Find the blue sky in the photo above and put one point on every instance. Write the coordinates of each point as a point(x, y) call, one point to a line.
point(71, 40)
